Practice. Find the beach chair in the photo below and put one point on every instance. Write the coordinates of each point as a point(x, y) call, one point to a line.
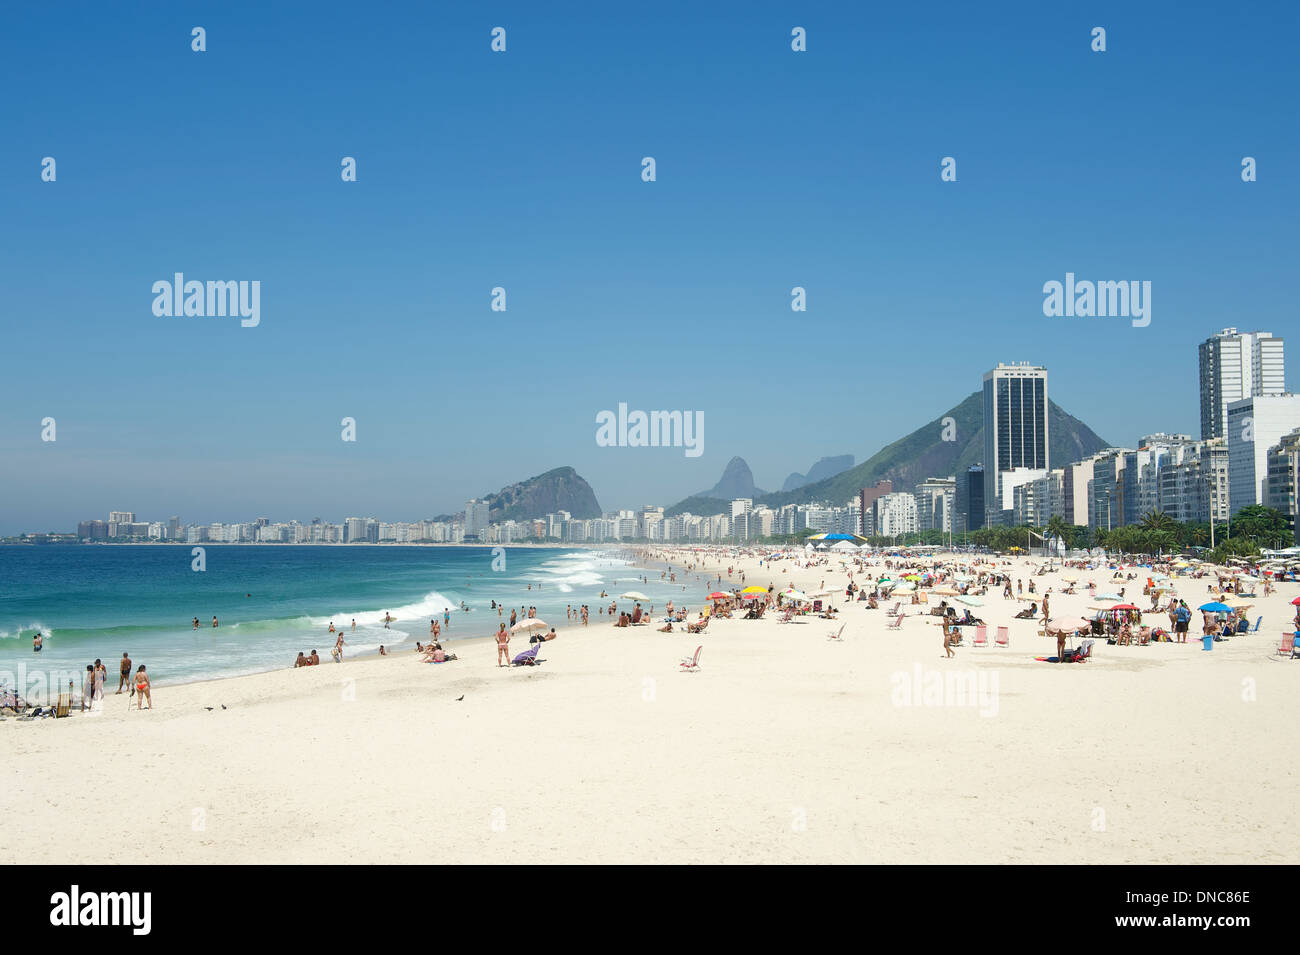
point(897, 623)
point(981, 637)
point(1255, 629)
point(528, 658)
point(894, 609)
point(837, 635)
point(63, 706)
point(692, 664)
point(1288, 645)
point(1003, 638)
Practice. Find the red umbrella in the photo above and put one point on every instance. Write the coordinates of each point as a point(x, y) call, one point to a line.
point(1124, 607)
point(718, 595)
point(1296, 602)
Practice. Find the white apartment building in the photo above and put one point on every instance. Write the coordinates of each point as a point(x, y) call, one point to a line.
point(1254, 425)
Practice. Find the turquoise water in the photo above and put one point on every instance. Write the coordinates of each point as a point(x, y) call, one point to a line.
point(272, 601)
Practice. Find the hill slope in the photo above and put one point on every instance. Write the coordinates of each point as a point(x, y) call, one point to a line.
point(924, 454)
point(561, 489)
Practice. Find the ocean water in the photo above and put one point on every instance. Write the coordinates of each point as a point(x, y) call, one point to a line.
point(272, 601)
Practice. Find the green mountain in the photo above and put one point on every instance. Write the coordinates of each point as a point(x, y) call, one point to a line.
point(924, 454)
point(559, 490)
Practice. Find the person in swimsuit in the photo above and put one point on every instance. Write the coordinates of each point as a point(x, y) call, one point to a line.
point(88, 687)
point(196, 623)
point(503, 644)
point(302, 661)
point(315, 659)
point(214, 620)
point(141, 688)
point(124, 671)
point(36, 642)
point(101, 674)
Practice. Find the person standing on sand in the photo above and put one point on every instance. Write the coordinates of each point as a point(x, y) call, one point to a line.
point(947, 639)
point(124, 678)
point(88, 687)
point(503, 644)
point(141, 688)
point(101, 674)
point(338, 648)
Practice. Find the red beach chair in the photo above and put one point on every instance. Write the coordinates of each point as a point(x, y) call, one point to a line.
point(692, 664)
point(1288, 644)
point(897, 624)
point(981, 637)
point(1003, 638)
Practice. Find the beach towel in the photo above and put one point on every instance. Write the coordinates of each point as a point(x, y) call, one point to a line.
point(528, 658)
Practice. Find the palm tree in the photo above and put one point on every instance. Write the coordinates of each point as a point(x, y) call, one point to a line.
point(1158, 521)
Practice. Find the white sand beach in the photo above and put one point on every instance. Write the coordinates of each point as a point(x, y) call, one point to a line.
point(784, 747)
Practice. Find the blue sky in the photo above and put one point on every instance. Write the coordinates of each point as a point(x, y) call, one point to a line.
point(522, 170)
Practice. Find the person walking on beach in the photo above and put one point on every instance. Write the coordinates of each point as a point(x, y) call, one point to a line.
point(141, 688)
point(503, 644)
point(101, 674)
point(124, 673)
point(338, 649)
point(88, 688)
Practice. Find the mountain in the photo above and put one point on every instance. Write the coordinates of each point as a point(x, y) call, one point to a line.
point(825, 468)
point(737, 481)
point(559, 490)
point(924, 454)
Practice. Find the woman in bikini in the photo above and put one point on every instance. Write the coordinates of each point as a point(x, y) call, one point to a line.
point(141, 688)
point(503, 644)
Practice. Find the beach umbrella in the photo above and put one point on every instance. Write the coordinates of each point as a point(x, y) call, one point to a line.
point(1108, 597)
point(946, 592)
point(529, 624)
point(634, 595)
point(754, 591)
point(1215, 608)
point(718, 595)
point(1125, 607)
point(1296, 602)
point(1066, 624)
point(1240, 602)
point(905, 588)
point(794, 595)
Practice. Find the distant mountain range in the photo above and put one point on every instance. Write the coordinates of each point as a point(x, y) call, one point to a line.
point(907, 461)
point(824, 468)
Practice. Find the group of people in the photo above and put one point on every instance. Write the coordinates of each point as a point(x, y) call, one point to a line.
point(92, 691)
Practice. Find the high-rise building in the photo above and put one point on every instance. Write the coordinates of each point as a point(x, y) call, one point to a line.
point(973, 503)
point(935, 502)
point(1283, 483)
point(1254, 425)
point(1236, 365)
point(476, 516)
point(866, 513)
point(1015, 425)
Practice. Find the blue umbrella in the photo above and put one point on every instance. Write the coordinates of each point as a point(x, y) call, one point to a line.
point(1215, 608)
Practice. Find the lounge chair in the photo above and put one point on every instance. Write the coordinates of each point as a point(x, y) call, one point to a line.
point(698, 627)
point(981, 637)
point(897, 624)
point(528, 658)
point(787, 615)
point(1288, 645)
point(837, 635)
point(1255, 629)
point(692, 664)
point(63, 706)
point(1003, 638)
